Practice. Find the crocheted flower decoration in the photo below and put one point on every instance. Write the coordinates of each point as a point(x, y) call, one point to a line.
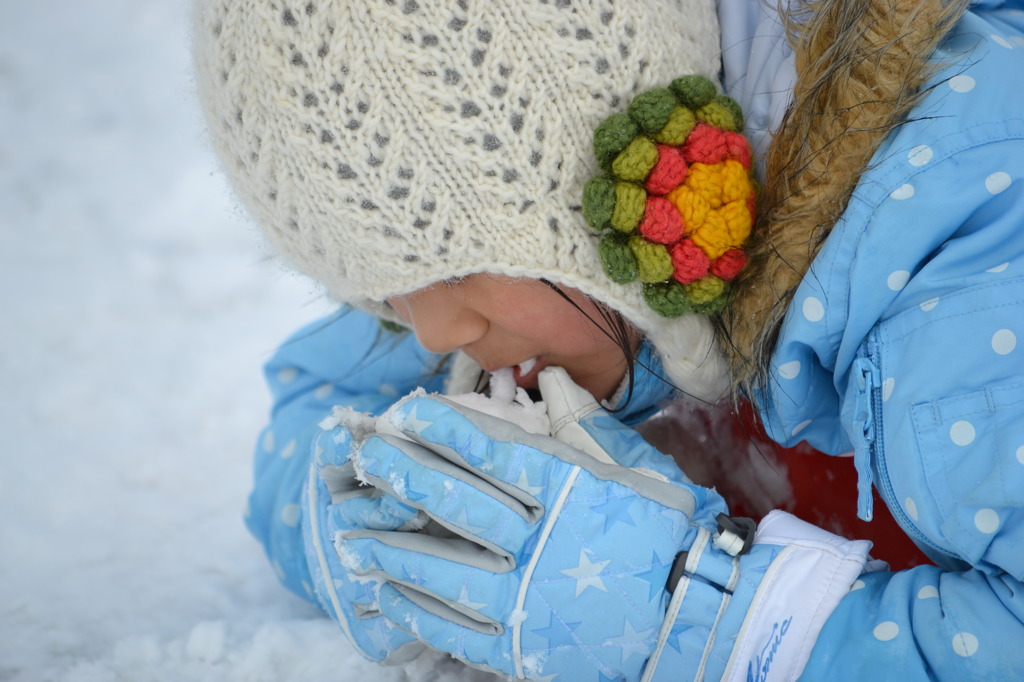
point(677, 196)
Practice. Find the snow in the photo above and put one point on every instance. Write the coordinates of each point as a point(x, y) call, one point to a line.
point(506, 401)
point(137, 307)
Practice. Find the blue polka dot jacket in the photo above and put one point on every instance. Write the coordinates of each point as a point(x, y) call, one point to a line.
point(900, 346)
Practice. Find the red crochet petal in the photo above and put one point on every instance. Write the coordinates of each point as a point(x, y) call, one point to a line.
point(738, 148)
point(661, 223)
point(689, 261)
point(706, 144)
point(729, 264)
point(669, 172)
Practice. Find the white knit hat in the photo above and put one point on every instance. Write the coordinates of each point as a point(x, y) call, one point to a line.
point(385, 145)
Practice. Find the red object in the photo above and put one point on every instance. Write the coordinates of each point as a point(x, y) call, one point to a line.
point(728, 450)
point(738, 147)
point(661, 223)
point(669, 171)
point(706, 144)
point(729, 264)
point(689, 261)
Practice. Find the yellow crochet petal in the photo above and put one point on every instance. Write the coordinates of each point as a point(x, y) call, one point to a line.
point(713, 236)
point(691, 206)
point(737, 220)
point(706, 180)
point(735, 181)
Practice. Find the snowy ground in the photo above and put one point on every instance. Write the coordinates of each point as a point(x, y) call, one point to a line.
point(137, 306)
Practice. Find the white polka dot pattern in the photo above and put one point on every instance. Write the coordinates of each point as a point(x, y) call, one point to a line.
point(790, 370)
point(290, 515)
point(965, 644)
point(887, 631)
point(902, 192)
point(1004, 341)
point(987, 521)
point(961, 83)
point(962, 433)
point(997, 182)
point(920, 155)
point(898, 279)
point(813, 309)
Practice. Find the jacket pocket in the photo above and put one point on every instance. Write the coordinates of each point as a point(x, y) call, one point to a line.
point(972, 453)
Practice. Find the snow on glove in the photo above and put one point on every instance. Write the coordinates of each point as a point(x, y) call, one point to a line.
point(577, 558)
point(332, 480)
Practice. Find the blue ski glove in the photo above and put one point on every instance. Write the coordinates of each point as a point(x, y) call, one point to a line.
point(583, 556)
point(331, 481)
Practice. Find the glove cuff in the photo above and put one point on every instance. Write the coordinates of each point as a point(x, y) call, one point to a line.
point(764, 629)
point(803, 585)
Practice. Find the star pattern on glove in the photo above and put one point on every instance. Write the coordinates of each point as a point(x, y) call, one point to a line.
point(654, 577)
point(523, 483)
point(633, 642)
point(465, 600)
point(557, 632)
point(616, 510)
point(414, 423)
point(587, 573)
point(409, 494)
point(673, 638)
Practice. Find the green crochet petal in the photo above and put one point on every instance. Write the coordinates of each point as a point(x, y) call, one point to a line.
point(708, 294)
point(722, 112)
point(651, 109)
point(693, 91)
point(599, 202)
point(636, 160)
point(653, 262)
point(630, 202)
point(677, 128)
point(713, 306)
point(668, 299)
point(612, 136)
point(617, 258)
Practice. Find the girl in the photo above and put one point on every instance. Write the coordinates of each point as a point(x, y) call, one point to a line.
point(434, 166)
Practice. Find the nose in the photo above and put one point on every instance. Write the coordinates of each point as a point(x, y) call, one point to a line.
point(443, 323)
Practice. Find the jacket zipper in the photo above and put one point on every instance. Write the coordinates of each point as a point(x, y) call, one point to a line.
point(873, 434)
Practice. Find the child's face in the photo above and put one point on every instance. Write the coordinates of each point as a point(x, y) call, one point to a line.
point(505, 322)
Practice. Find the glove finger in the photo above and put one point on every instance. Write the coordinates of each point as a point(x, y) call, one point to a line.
point(494, 449)
point(378, 511)
point(441, 629)
point(458, 575)
point(379, 639)
point(468, 504)
point(332, 447)
point(357, 505)
point(376, 639)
